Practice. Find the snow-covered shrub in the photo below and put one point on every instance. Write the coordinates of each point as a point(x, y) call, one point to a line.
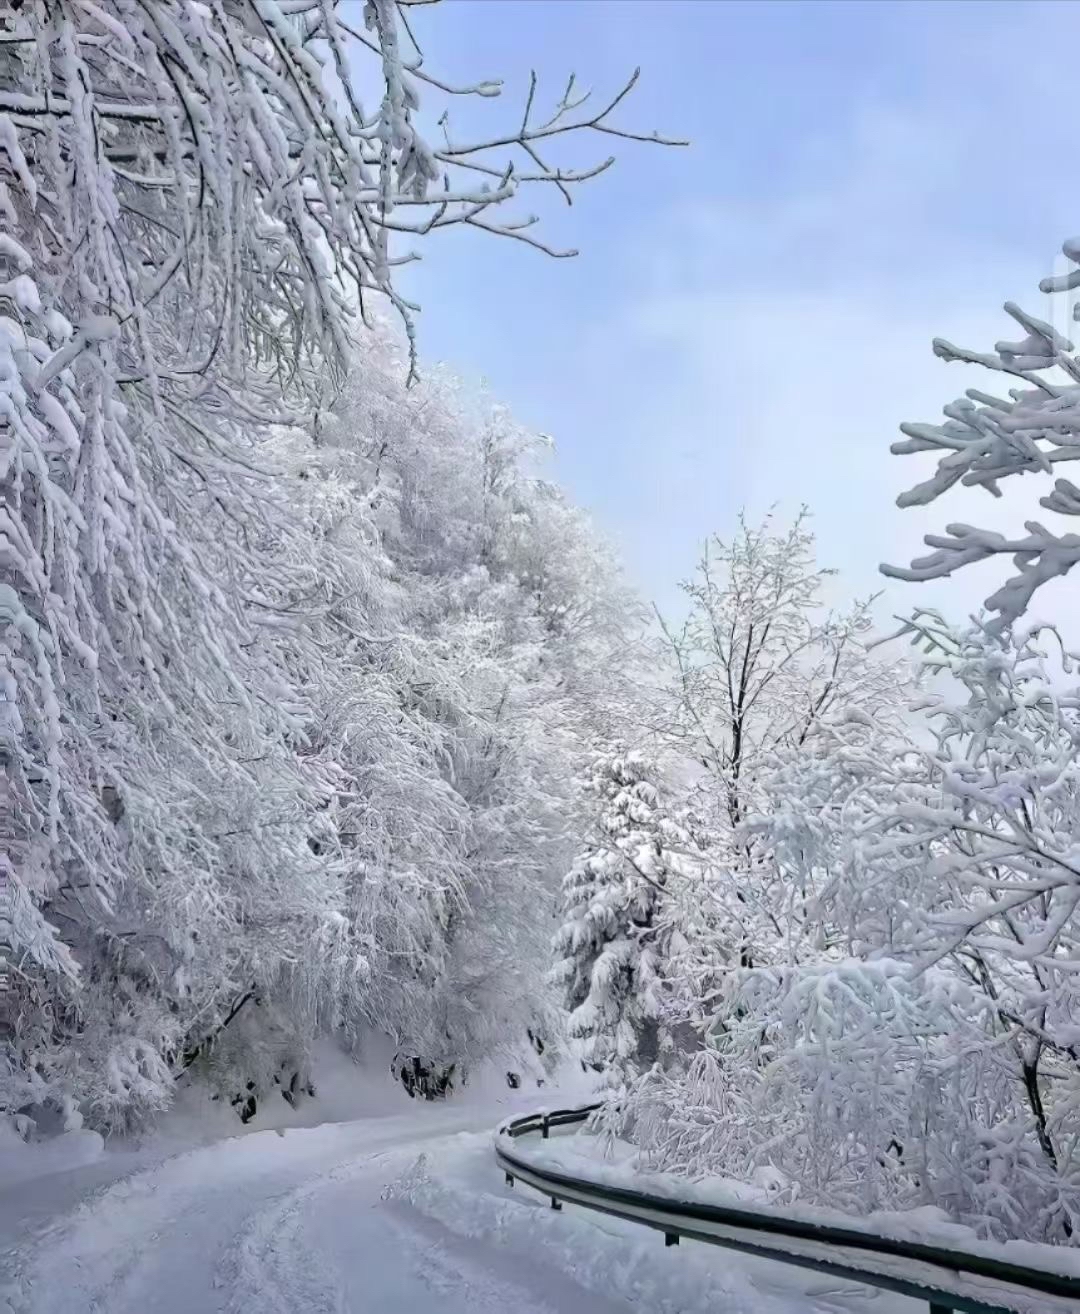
point(259, 1055)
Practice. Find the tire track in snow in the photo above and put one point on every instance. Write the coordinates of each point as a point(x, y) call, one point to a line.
point(156, 1242)
point(335, 1246)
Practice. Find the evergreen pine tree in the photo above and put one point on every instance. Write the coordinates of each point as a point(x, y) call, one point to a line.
point(613, 943)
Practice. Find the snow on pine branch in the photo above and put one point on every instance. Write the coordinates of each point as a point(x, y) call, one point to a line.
point(618, 938)
point(987, 438)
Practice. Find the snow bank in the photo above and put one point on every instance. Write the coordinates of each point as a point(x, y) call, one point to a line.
point(21, 1161)
point(459, 1186)
point(345, 1091)
point(615, 1163)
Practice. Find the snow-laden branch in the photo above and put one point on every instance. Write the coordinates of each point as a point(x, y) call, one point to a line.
point(987, 438)
point(246, 737)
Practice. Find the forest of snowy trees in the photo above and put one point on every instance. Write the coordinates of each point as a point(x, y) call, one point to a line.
point(841, 957)
point(323, 712)
point(300, 651)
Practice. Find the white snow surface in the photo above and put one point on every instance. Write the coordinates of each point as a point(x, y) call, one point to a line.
point(583, 1155)
point(395, 1211)
point(614, 1162)
point(623, 1265)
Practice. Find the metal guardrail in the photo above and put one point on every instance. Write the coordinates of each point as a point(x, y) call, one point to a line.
point(948, 1280)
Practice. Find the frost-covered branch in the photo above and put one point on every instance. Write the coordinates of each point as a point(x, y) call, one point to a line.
point(987, 438)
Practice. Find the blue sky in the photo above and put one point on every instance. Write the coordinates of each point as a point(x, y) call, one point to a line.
point(750, 318)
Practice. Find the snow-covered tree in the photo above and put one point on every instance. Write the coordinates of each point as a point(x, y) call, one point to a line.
point(456, 637)
point(618, 935)
point(912, 1044)
point(987, 438)
point(461, 666)
point(759, 667)
point(759, 663)
point(202, 206)
point(999, 817)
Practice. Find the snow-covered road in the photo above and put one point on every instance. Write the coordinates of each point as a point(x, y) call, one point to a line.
point(274, 1222)
point(401, 1214)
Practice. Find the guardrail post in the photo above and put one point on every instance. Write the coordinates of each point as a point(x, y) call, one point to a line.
point(671, 1238)
point(556, 1204)
point(544, 1127)
point(509, 1179)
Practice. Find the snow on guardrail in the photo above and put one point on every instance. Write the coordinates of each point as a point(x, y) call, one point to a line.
point(916, 1260)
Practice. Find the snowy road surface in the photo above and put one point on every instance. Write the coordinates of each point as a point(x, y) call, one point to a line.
point(269, 1222)
point(397, 1214)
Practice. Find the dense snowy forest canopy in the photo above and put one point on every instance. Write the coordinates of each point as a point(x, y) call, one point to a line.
point(324, 712)
point(300, 653)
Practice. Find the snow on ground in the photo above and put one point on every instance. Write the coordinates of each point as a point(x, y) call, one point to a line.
point(454, 1183)
point(205, 1213)
point(358, 1200)
point(580, 1154)
point(402, 1211)
point(55, 1173)
point(201, 1230)
point(604, 1159)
